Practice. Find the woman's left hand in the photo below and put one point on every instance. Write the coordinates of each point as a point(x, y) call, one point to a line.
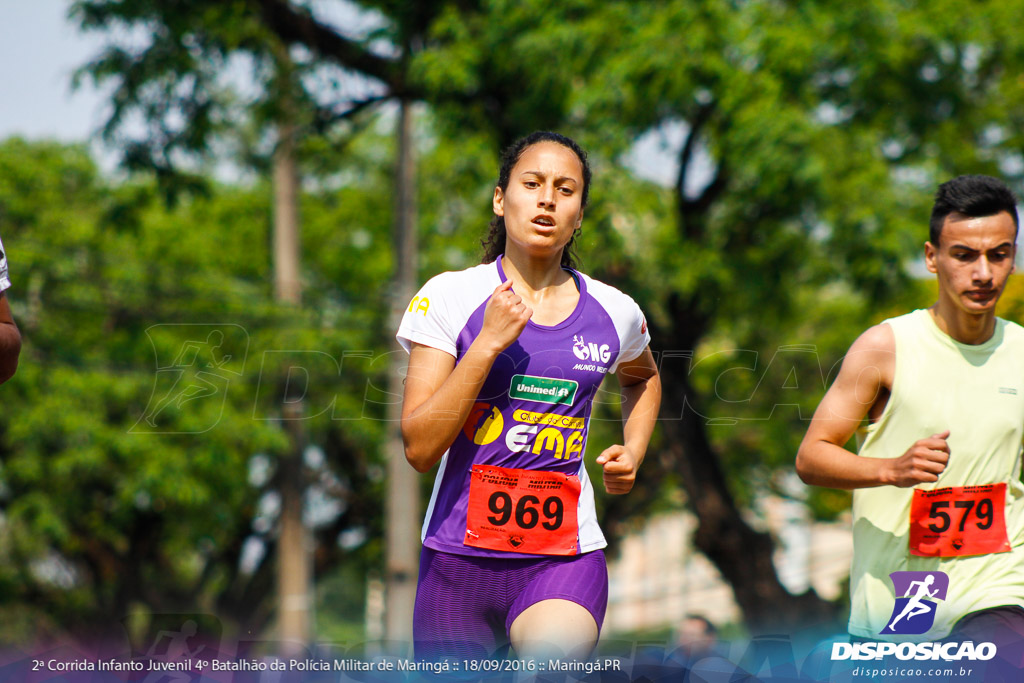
point(620, 466)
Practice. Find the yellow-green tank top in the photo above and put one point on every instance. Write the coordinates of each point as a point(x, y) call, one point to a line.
point(977, 393)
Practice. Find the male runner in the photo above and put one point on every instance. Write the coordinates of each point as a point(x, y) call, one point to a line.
point(937, 479)
point(10, 338)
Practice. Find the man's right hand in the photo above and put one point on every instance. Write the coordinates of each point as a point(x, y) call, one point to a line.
point(504, 317)
point(922, 463)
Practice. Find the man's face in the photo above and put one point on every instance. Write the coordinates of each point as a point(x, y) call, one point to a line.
point(973, 259)
point(694, 637)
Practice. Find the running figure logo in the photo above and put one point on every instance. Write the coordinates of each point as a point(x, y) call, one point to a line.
point(195, 364)
point(916, 596)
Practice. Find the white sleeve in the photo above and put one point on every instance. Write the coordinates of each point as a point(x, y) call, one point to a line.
point(426, 320)
point(633, 336)
point(629, 321)
point(5, 280)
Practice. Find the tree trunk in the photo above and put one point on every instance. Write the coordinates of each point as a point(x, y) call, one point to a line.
point(741, 554)
point(293, 553)
point(403, 501)
point(287, 287)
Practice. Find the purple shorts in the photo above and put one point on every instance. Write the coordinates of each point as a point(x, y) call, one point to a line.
point(465, 605)
point(1002, 626)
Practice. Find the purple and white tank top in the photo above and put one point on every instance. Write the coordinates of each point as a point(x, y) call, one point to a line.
point(533, 411)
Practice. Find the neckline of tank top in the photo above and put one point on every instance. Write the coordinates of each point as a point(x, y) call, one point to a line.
point(998, 334)
point(581, 286)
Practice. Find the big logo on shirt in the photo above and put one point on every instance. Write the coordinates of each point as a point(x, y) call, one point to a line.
point(592, 352)
point(541, 434)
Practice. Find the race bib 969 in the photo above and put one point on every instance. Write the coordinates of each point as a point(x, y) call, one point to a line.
point(523, 511)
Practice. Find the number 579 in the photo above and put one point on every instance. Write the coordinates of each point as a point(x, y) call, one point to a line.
point(983, 511)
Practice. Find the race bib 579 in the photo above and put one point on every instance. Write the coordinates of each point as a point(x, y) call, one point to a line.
point(959, 520)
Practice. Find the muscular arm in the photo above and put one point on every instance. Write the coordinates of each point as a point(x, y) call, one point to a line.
point(10, 341)
point(641, 397)
point(866, 375)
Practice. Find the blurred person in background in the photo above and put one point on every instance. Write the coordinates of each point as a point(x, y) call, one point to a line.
point(696, 637)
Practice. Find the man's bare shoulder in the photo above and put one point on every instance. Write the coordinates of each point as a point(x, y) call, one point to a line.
point(877, 339)
point(874, 349)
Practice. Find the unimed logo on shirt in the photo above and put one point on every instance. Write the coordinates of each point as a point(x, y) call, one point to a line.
point(916, 594)
point(543, 389)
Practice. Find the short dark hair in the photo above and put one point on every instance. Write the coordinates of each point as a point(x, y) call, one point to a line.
point(494, 243)
point(709, 628)
point(972, 195)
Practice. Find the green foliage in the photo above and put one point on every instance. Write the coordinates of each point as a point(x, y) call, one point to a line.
point(813, 135)
point(131, 441)
point(824, 130)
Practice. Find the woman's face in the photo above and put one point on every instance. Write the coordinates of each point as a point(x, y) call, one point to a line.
point(542, 205)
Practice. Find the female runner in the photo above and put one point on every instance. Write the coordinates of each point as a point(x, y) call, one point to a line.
point(505, 359)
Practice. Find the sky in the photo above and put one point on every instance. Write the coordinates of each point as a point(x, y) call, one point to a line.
point(39, 51)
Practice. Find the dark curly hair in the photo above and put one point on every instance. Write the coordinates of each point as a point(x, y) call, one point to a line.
point(494, 243)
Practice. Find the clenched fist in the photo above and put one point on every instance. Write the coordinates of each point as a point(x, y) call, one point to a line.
point(922, 463)
point(504, 317)
point(620, 466)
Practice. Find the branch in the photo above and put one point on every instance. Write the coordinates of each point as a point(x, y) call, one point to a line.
point(362, 508)
point(701, 118)
point(294, 25)
point(226, 563)
point(324, 118)
point(712, 192)
point(686, 207)
point(250, 603)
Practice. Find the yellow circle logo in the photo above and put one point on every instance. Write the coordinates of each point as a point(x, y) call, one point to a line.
point(484, 424)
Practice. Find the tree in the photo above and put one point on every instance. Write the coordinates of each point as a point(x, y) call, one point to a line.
point(811, 138)
point(813, 185)
point(137, 446)
point(809, 142)
point(170, 82)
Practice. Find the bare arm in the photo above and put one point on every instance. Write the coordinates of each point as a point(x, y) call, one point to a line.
point(438, 398)
point(866, 375)
point(10, 341)
point(641, 397)
point(440, 394)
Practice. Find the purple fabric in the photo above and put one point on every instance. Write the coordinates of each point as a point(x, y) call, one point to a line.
point(1003, 626)
point(465, 605)
point(580, 349)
